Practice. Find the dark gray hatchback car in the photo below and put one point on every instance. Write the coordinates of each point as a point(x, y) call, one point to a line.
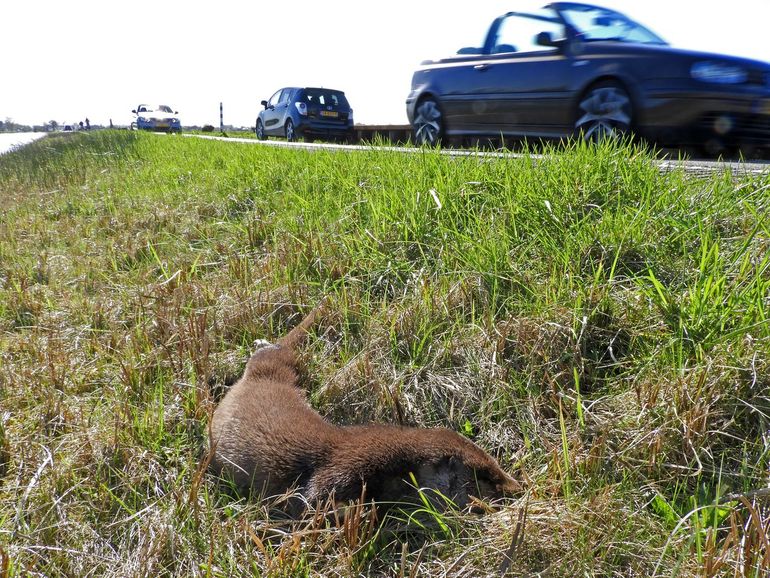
point(296, 113)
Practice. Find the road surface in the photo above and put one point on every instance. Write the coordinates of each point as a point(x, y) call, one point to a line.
point(10, 140)
point(703, 167)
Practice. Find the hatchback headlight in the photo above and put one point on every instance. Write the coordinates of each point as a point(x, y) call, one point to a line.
point(719, 72)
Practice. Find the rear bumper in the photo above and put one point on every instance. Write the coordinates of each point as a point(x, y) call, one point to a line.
point(325, 129)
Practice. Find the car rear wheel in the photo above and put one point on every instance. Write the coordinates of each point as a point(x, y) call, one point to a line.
point(428, 123)
point(604, 112)
point(291, 135)
point(260, 130)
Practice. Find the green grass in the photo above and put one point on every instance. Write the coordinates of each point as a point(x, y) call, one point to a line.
point(597, 325)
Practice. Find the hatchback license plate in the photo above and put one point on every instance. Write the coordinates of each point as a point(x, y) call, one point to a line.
point(330, 113)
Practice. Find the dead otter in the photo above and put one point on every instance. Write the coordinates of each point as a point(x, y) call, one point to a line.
point(268, 440)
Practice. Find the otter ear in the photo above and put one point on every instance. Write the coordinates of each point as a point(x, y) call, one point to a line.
point(456, 468)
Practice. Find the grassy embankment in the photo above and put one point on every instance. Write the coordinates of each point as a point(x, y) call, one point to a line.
point(599, 327)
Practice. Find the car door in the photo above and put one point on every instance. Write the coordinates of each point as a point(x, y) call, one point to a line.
point(462, 91)
point(523, 85)
point(272, 116)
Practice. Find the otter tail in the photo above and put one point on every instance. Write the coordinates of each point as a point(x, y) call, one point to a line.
point(277, 362)
point(297, 335)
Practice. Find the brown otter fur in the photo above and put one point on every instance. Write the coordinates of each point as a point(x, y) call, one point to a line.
point(268, 440)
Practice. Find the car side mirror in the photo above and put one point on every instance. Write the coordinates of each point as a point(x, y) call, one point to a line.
point(134, 111)
point(264, 103)
point(545, 39)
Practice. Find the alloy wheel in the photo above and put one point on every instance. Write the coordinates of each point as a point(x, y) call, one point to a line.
point(428, 123)
point(606, 113)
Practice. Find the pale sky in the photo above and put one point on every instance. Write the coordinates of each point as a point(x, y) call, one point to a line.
point(66, 60)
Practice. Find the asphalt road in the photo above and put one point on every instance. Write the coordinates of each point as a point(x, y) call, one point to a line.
point(703, 167)
point(10, 140)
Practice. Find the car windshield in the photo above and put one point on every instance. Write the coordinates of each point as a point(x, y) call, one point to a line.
point(596, 24)
point(152, 108)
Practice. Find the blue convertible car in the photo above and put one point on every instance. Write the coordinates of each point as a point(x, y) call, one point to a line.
point(573, 69)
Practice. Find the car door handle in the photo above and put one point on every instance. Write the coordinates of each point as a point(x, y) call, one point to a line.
point(481, 67)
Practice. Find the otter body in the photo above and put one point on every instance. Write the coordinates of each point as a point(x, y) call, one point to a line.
point(268, 440)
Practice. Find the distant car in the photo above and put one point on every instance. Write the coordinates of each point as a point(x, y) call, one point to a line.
point(573, 69)
point(296, 113)
point(157, 118)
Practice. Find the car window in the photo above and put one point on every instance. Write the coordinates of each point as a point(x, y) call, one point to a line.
point(325, 97)
point(328, 99)
point(518, 33)
point(285, 95)
point(274, 99)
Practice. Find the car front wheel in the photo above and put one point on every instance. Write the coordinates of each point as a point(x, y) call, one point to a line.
point(604, 112)
point(260, 130)
point(428, 123)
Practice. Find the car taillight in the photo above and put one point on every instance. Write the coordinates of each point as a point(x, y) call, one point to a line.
point(301, 108)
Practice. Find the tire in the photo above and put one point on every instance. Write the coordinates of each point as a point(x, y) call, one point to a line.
point(260, 130)
point(604, 112)
point(291, 134)
point(428, 123)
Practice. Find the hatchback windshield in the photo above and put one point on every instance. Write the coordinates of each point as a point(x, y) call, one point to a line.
point(595, 24)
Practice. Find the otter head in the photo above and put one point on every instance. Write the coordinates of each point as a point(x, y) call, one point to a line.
point(461, 472)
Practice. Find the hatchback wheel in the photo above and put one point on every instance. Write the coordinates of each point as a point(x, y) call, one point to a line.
point(428, 123)
point(291, 135)
point(260, 131)
point(604, 113)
